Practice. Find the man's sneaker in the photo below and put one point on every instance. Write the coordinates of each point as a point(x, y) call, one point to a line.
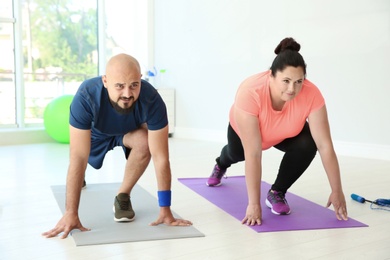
point(122, 208)
point(216, 176)
point(277, 203)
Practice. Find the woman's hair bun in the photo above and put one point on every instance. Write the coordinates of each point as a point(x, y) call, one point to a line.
point(287, 44)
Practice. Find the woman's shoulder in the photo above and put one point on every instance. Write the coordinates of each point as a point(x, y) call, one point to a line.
point(256, 81)
point(259, 77)
point(310, 87)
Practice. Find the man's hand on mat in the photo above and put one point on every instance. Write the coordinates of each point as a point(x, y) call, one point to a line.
point(167, 218)
point(339, 205)
point(66, 224)
point(253, 215)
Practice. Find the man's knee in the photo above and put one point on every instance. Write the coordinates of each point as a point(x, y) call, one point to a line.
point(137, 140)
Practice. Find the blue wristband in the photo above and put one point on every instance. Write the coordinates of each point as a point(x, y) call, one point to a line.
point(164, 198)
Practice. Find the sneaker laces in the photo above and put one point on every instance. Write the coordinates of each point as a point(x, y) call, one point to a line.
point(123, 204)
point(278, 196)
point(218, 173)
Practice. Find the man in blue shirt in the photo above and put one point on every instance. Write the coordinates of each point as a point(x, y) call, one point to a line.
point(118, 109)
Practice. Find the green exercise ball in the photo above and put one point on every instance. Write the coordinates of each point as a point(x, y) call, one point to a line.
point(56, 118)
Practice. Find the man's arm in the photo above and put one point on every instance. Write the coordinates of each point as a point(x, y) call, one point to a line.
point(80, 143)
point(80, 147)
point(158, 146)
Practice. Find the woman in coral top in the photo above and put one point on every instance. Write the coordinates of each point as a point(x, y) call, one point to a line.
point(279, 108)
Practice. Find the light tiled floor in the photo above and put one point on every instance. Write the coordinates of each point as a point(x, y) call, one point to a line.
point(28, 208)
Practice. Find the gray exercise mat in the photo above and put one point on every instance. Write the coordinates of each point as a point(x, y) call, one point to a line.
point(96, 213)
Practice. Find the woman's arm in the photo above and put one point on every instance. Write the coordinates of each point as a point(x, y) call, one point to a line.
point(320, 130)
point(248, 126)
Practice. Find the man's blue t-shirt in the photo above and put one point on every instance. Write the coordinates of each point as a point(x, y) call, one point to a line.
point(91, 109)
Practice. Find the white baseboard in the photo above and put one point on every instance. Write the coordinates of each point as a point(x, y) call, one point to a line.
point(201, 134)
point(361, 150)
point(25, 136)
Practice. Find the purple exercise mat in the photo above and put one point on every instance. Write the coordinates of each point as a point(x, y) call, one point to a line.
point(231, 196)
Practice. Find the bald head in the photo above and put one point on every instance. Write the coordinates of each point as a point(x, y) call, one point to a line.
point(122, 63)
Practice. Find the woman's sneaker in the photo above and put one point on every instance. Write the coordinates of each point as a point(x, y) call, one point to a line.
point(277, 203)
point(216, 176)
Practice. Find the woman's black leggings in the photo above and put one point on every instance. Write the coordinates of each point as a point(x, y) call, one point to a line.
point(299, 153)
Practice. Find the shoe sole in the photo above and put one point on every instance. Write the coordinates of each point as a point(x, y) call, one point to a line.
point(219, 184)
point(269, 205)
point(122, 219)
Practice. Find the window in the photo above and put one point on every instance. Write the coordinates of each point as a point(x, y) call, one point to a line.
point(49, 47)
point(59, 49)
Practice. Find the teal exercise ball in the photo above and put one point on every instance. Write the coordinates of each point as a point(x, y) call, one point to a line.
point(56, 118)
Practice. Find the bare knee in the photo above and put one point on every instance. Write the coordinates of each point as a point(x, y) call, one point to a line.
point(137, 141)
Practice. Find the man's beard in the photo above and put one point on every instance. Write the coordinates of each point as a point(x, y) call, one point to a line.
point(121, 110)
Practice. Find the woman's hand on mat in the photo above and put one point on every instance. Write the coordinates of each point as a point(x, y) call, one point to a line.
point(167, 218)
point(337, 199)
point(253, 215)
point(66, 224)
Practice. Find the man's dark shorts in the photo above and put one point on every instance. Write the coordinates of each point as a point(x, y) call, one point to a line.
point(101, 144)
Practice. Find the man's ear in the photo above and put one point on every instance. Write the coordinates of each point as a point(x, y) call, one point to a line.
point(104, 79)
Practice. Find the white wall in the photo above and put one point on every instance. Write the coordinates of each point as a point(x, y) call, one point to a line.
point(209, 46)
